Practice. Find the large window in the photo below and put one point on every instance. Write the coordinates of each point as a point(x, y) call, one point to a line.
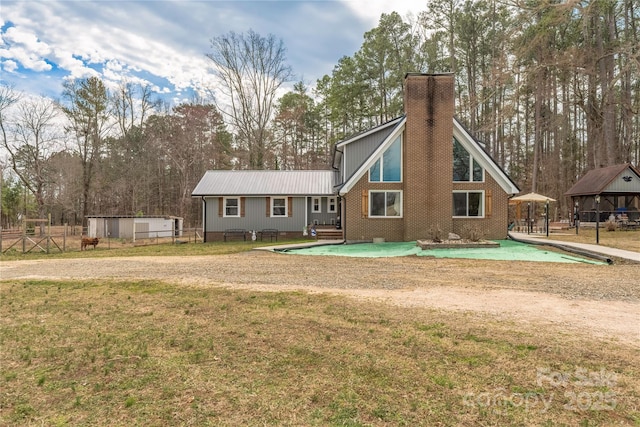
point(385, 204)
point(389, 167)
point(465, 167)
point(231, 206)
point(278, 206)
point(468, 204)
point(315, 205)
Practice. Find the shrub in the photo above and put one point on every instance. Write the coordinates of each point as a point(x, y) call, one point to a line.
point(473, 233)
point(435, 233)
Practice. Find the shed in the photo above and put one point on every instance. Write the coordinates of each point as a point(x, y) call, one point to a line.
point(134, 227)
point(618, 187)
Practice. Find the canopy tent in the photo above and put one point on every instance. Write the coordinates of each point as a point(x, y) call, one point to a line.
point(531, 197)
point(528, 198)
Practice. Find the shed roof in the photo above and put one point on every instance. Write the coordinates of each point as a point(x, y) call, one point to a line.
point(596, 181)
point(265, 183)
point(111, 216)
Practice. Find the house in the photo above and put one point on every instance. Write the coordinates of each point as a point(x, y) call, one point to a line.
point(618, 189)
point(256, 200)
point(134, 227)
point(416, 175)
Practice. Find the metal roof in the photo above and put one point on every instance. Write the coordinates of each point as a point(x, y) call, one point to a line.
point(134, 216)
point(265, 183)
point(596, 180)
point(391, 123)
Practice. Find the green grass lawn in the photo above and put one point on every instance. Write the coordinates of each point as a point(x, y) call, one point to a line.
point(148, 353)
point(628, 240)
point(163, 249)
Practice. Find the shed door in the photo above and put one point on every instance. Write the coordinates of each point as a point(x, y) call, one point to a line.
point(142, 230)
point(113, 228)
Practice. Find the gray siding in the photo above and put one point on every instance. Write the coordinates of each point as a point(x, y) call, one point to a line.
point(125, 228)
point(255, 216)
point(142, 230)
point(323, 217)
point(619, 185)
point(357, 152)
point(146, 227)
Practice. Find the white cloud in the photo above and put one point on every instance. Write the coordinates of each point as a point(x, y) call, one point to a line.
point(163, 43)
point(24, 48)
point(9, 65)
point(27, 40)
point(371, 10)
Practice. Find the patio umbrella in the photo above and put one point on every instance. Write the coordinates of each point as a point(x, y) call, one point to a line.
point(531, 197)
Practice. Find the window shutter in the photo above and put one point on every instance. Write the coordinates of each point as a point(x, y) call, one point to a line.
point(290, 206)
point(268, 205)
point(488, 202)
point(365, 204)
point(242, 206)
point(220, 205)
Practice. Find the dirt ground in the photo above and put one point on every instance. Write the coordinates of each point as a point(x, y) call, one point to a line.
point(600, 301)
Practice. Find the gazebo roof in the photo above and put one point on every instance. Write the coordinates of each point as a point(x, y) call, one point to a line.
point(617, 179)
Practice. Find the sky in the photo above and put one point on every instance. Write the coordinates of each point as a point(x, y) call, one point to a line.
point(164, 43)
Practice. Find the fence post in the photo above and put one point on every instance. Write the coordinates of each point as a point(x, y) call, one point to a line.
point(64, 238)
point(48, 231)
point(24, 235)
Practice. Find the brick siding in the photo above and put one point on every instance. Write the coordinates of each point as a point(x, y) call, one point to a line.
point(428, 154)
point(427, 175)
point(493, 226)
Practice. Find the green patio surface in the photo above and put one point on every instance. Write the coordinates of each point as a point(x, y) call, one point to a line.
point(508, 251)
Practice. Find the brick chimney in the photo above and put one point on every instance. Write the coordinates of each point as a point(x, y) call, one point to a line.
point(428, 154)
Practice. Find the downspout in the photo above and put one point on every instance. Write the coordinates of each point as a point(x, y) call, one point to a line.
point(306, 214)
point(343, 223)
point(204, 220)
point(339, 199)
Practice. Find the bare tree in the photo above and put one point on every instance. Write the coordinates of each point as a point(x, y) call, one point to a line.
point(133, 103)
point(8, 98)
point(32, 141)
point(251, 68)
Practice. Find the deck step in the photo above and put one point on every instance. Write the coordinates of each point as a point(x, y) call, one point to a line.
point(329, 234)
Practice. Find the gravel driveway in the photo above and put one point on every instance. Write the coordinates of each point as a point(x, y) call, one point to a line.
point(596, 300)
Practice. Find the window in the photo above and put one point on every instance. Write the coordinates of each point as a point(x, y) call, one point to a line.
point(278, 206)
point(332, 206)
point(385, 204)
point(315, 205)
point(465, 167)
point(231, 206)
point(468, 204)
point(389, 167)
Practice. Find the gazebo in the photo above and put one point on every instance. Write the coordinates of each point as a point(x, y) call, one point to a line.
point(530, 198)
point(612, 190)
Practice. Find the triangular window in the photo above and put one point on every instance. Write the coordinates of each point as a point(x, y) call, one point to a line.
point(389, 167)
point(465, 167)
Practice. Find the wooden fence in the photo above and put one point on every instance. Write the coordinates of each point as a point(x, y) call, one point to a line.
point(28, 239)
